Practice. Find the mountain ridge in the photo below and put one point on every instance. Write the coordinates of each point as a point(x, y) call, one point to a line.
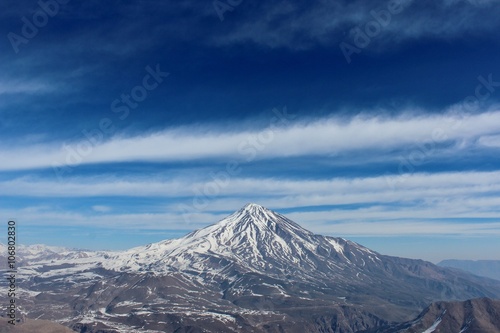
point(481, 315)
point(253, 271)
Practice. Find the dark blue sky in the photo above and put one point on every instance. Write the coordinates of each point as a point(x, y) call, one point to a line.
point(398, 139)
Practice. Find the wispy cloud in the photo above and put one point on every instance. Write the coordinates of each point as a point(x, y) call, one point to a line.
point(321, 136)
point(298, 192)
point(327, 23)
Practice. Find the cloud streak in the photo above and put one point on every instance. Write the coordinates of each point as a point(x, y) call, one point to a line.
point(316, 137)
point(337, 191)
point(326, 23)
point(441, 203)
point(327, 222)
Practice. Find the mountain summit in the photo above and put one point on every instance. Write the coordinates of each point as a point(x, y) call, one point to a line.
point(252, 225)
point(255, 219)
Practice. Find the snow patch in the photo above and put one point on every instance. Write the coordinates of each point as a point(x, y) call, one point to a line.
point(434, 326)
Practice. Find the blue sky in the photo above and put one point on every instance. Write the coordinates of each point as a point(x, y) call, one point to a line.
point(128, 122)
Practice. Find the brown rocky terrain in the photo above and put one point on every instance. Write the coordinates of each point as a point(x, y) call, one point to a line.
point(481, 315)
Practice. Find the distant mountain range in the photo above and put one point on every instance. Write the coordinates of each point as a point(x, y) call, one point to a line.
point(487, 268)
point(254, 271)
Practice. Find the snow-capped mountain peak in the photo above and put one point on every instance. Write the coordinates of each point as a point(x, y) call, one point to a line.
point(254, 207)
point(256, 211)
point(253, 238)
point(253, 217)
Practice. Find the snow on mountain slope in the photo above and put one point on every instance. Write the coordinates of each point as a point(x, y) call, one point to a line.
point(48, 261)
point(27, 254)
